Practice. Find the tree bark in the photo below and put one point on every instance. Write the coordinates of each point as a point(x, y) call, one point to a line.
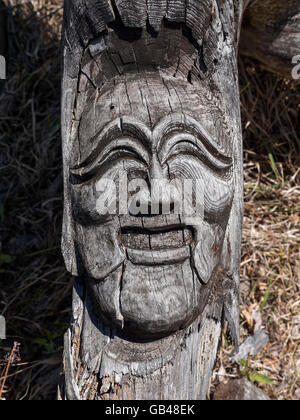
point(153, 67)
point(271, 34)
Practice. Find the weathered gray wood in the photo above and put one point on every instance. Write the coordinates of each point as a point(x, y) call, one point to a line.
point(154, 84)
point(271, 34)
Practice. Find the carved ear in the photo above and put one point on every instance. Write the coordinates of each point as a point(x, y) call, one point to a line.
point(231, 278)
point(68, 239)
point(69, 90)
point(231, 254)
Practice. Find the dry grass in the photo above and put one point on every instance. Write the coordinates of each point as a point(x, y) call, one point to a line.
point(35, 293)
point(35, 289)
point(270, 266)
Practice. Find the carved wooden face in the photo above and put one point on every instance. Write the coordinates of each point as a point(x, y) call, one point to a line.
point(151, 274)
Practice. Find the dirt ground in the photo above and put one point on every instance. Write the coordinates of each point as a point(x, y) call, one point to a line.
point(35, 291)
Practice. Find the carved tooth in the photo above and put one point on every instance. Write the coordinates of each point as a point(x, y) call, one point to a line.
point(136, 240)
point(167, 240)
point(159, 257)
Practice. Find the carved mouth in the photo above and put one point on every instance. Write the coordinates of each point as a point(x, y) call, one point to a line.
point(157, 246)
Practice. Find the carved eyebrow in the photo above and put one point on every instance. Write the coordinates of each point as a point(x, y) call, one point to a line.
point(127, 134)
point(184, 124)
point(123, 145)
point(213, 158)
point(123, 135)
point(185, 143)
point(119, 128)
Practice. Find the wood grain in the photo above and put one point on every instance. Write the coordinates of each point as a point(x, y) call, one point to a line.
point(154, 83)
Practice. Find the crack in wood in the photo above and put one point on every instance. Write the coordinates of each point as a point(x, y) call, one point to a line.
point(150, 331)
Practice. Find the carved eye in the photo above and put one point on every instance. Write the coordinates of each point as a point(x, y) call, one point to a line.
point(196, 150)
point(124, 153)
point(114, 153)
point(183, 146)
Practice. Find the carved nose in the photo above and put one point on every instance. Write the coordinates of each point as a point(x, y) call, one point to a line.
point(156, 169)
point(158, 198)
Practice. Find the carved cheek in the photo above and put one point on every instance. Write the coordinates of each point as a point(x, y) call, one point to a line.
point(90, 198)
point(207, 251)
point(84, 205)
point(97, 238)
point(105, 196)
point(218, 195)
point(99, 249)
point(217, 189)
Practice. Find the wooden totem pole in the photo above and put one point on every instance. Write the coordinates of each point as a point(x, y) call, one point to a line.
point(150, 91)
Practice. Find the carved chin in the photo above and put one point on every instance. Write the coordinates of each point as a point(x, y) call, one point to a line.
point(153, 294)
point(157, 301)
point(150, 302)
